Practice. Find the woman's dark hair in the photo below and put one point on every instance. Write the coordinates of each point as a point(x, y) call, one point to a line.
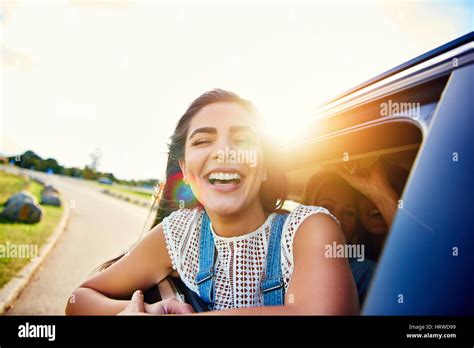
point(272, 193)
point(318, 182)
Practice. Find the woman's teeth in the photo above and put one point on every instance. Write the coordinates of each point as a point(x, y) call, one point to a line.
point(224, 178)
point(375, 213)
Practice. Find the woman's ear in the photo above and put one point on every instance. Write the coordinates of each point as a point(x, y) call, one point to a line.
point(183, 170)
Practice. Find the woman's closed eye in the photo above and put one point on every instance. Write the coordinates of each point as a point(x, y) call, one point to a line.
point(201, 141)
point(245, 140)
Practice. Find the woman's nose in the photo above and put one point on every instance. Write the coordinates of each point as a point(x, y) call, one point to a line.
point(221, 147)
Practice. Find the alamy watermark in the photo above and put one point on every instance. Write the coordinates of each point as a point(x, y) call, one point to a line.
point(334, 250)
point(67, 109)
point(19, 251)
point(391, 108)
point(28, 330)
point(232, 156)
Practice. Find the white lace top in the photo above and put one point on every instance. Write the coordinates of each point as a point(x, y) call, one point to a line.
point(240, 261)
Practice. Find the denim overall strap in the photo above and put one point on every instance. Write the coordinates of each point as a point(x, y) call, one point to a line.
point(273, 290)
point(205, 275)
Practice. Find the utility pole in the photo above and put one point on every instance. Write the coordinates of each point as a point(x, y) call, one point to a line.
point(95, 158)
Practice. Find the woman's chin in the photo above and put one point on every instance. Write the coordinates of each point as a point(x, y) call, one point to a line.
point(229, 209)
point(223, 206)
point(380, 229)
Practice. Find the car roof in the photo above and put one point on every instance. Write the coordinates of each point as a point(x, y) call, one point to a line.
point(412, 62)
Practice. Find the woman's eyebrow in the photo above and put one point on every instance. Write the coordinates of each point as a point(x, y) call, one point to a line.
point(210, 130)
point(242, 128)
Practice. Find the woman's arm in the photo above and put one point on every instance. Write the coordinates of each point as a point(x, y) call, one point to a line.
point(107, 292)
point(374, 184)
point(319, 285)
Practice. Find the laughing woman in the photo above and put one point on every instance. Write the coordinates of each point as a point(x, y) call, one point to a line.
point(235, 248)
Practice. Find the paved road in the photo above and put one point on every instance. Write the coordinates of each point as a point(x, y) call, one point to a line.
point(99, 228)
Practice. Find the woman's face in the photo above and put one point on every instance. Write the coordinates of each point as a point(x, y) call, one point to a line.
point(223, 161)
point(371, 217)
point(341, 202)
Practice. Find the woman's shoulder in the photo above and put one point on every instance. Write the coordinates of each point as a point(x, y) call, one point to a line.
point(179, 228)
point(297, 218)
point(183, 214)
point(180, 223)
point(301, 212)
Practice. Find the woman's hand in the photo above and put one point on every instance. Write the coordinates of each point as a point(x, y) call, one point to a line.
point(169, 306)
point(137, 306)
point(371, 182)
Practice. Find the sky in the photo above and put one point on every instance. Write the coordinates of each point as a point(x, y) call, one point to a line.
point(117, 75)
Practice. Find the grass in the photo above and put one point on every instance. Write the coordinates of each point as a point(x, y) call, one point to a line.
point(21, 233)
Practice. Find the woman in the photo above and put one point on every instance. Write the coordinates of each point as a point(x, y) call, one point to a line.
point(219, 250)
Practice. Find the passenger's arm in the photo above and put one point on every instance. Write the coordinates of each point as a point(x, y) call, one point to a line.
point(108, 292)
point(374, 184)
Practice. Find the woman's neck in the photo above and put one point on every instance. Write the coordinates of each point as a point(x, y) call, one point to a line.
point(246, 221)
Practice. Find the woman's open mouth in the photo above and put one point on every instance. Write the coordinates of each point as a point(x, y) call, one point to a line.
point(375, 213)
point(224, 178)
point(224, 181)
